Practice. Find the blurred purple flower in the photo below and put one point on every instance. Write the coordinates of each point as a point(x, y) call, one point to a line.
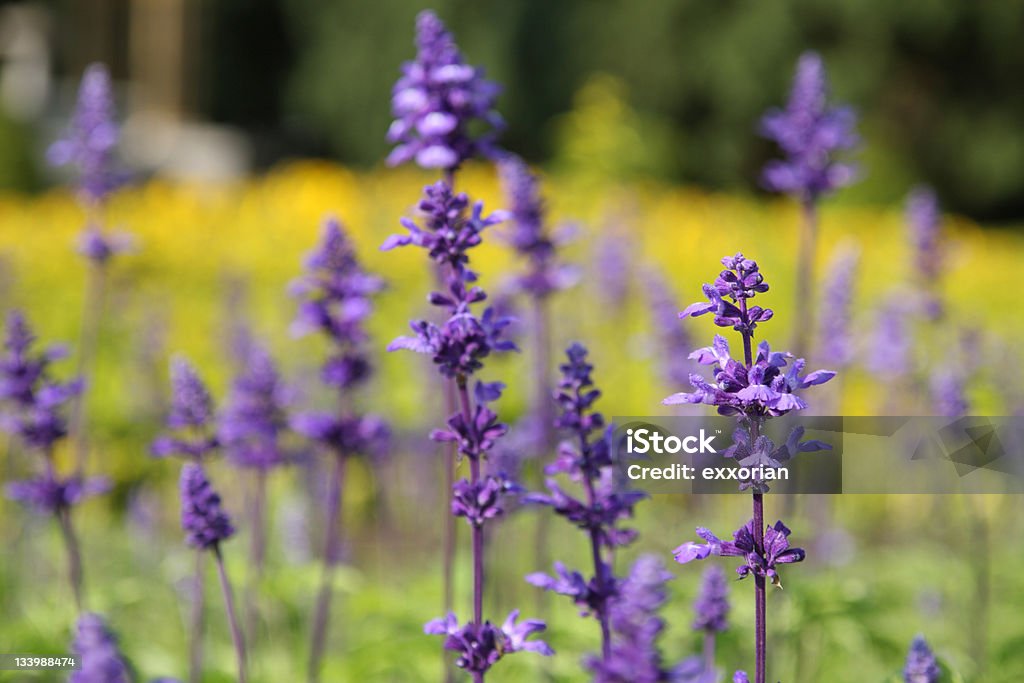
point(47, 494)
point(438, 103)
point(32, 401)
point(636, 627)
point(334, 296)
point(673, 340)
point(810, 133)
point(96, 646)
point(99, 246)
point(921, 665)
point(92, 137)
point(367, 435)
point(924, 220)
point(190, 422)
point(889, 354)
point(947, 393)
point(254, 418)
point(835, 341)
point(740, 677)
point(202, 518)
point(761, 560)
point(712, 605)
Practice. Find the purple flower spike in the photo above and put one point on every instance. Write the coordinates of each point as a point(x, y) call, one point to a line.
point(836, 309)
point(202, 518)
point(921, 665)
point(437, 100)
point(740, 677)
point(190, 422)
point(810, 133)
point(32, 402)
point(99, 247)
point(712, 605)
point(47, 494)
point(925, 222)
point(254, 414)
point(101, 661)
point(91, 139)
point(636, 627)
point(740, 281)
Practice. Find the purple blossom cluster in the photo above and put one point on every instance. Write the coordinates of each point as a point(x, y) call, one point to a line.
point(635, 627)
point(759, 559)
point(924, 221)
point(837, 308)
point(439, 102)
point(765, 384)
point(711, 608)
point(335, 295)
point(586, 459)
point(191, 422)
point(91, 139)
point(32, 406)
point(921, 666)
point(529, 236)
point(203, 519)
point(458, 347)
point(810, 133)
point(254, 416)
point(96, 646)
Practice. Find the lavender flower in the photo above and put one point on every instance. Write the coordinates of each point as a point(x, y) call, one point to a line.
point(672, 338)
point(96, 646)
point(636, 627)
point(586, 458)
point(49, 494)
point(99, 246)
point(254, 414)
point(740, 677)
point(92, 137)
point(924, 220)
point(947, 393)
point(528, 235)
point(835, 343)
point(481, 646)
point(335, 300)
point(921, 665)
point(761, 558)
point(202, 518)
point(437, 101)
point(190, 421)
point(753, 390)
point(890, 343)
point(810, 133)
point(458, 347)
point(712, 605)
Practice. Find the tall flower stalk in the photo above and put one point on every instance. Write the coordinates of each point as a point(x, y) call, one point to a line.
point(586, 458)
point(711, 612)
point(251, 428)
point(206, 526)
point(89, 145)
point(761, 386)
point(335, 301)
point(440, 104)
point(190, 434)
point(921, 665)
point(32, 404)
point(458, 347)
point(100, 659)
point(810, 133)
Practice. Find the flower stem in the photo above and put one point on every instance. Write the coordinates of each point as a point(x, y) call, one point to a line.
point(804, 323)
point(74, 555)
point(257, 550)
point(92, 315)
point(599, 569)
point(197, 621)
point(229, 605)
point(709, 651)
point(760, 634)
point(332, 543)
point(543, 424)
point(478, 531)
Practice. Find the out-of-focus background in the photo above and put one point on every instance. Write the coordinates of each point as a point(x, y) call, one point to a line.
point(220, 89)
point(246, 121)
